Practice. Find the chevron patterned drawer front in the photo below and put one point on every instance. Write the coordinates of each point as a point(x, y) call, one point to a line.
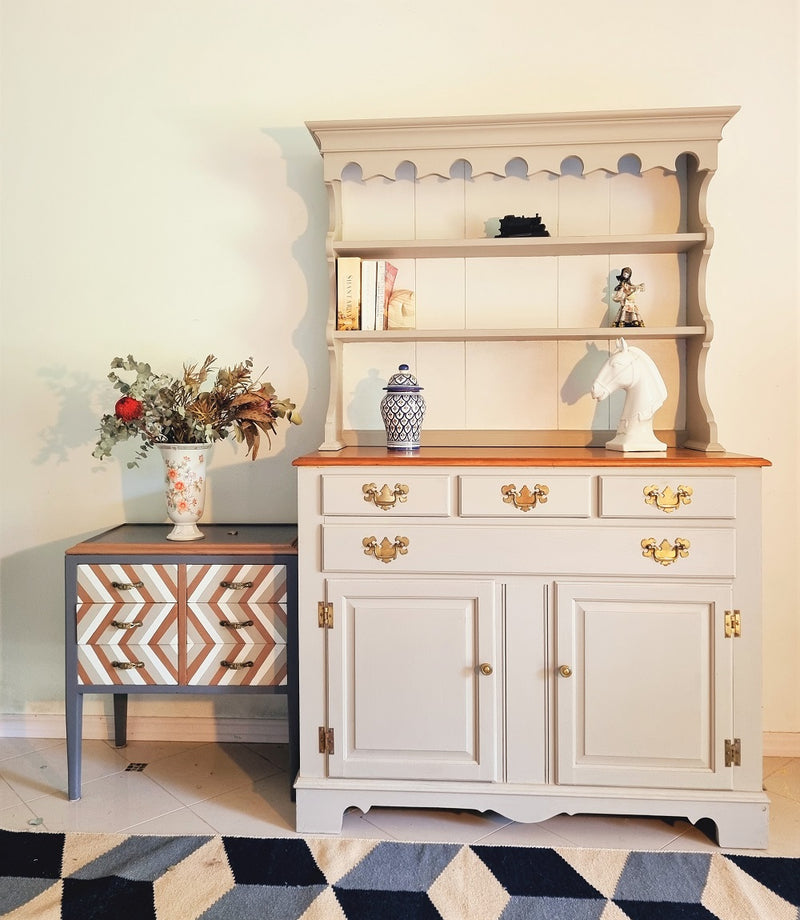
point(242, 584)
point(141, 665)
point(230, 665)
point(120, 583)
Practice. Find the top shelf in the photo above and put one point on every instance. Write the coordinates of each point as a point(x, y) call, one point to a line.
point(520, 246)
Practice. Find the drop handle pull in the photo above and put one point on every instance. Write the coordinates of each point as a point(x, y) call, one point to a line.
point(126, 585)
point(121, 624)
point(236, 585)
point(565, 670)
point(486, 669)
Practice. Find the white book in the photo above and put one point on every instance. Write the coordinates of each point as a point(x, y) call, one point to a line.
point(369, 268)
point(380, 294)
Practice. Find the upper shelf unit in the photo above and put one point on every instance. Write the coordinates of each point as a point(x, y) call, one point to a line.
point(614, 188)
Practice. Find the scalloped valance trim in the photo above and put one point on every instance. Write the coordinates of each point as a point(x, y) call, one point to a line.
point(599, 140)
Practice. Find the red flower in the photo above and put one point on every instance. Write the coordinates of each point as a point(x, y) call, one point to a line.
point(128, 409)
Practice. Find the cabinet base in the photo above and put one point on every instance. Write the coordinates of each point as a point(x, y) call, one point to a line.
point(741, 818)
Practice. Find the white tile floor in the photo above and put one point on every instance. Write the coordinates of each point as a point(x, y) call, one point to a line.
point(243, 789)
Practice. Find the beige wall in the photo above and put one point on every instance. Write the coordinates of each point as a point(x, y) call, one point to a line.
point(161, 196)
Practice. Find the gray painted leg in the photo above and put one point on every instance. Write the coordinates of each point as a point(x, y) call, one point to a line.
point(120, 719)
point(74, 732)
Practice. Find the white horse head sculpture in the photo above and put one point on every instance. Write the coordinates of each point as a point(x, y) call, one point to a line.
point(630, 369)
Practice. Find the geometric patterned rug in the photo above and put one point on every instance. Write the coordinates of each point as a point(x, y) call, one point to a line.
point(47, 876)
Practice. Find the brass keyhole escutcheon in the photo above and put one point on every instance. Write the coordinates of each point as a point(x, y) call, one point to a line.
point(565, 670)
point(486, 669)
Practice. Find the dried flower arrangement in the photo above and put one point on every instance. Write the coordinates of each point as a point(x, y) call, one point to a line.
point(162, 409)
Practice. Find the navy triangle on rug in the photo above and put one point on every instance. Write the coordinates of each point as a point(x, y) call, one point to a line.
point(46, 876)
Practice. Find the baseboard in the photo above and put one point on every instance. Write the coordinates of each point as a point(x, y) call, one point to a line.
point(782, 744)
point(151, 728)
point(203, 728)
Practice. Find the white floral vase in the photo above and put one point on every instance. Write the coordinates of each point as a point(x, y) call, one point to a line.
point(185, 487)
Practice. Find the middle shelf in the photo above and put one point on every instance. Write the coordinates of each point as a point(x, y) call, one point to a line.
point(543, 334)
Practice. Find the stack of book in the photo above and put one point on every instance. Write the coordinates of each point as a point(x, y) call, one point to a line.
point(364, 288)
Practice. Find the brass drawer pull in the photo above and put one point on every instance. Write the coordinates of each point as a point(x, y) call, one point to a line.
point(126, 585)
point(526, 498)
point(666, 500)
point(565, 670)
point(118, 624)
point(236, 585)
point(236, 665)
point(665, 553)
point(126, 665)
point(229, 624)
point(385, 551)
point(486, 669)
point(384, 498)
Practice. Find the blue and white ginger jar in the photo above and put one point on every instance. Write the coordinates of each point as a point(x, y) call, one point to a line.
point(402, 410)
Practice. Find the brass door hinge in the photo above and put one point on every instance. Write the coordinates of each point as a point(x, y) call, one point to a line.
point(733, 624)
point(325, 740)
point(325, 615)
point(733, 752)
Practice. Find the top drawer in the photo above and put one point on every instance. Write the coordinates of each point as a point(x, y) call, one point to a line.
point(236, 583)
point(386, 493)
point(679, 496)
point(525, 494)
point(140, 582)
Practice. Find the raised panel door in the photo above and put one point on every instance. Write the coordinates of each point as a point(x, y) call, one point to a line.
point(643, 677)
point(413, 679)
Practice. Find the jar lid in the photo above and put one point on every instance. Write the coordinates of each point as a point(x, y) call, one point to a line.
point(403, 381)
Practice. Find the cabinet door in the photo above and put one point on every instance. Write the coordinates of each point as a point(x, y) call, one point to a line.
point(407, 696)
point(648, 701)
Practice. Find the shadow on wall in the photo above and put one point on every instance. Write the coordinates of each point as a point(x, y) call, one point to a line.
point(32, 627)
point(304, 177)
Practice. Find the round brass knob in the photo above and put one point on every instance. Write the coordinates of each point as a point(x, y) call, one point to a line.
point(487, 669)
point(565, 670)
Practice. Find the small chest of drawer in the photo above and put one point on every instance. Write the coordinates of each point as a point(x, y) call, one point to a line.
point(383, 493)
point(676, 497)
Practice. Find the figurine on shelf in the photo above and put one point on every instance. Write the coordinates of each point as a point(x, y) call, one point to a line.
point(628, 314)
point(634, 371)
point(521, 226)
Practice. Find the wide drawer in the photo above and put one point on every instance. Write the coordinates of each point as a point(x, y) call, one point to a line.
point(140, 582)
point(229, 665)
point(382, 494)
point(109, 665)
point(545, 550)
point(126, 625)
point(524, 495)
point(236, 624)
point(224, 584)
point(677, 497)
